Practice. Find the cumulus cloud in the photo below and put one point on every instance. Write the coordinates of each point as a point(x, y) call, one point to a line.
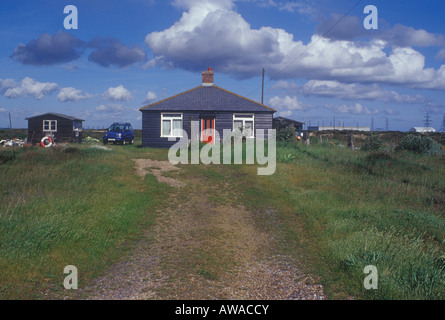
point(27, 87)
point(113, 52)
point(441, 54)
point(285, 113)
point(287, 102)
point(49, 49)
point(63, 47)
point(150, 97)
point(118, 93)
point(71, 94)
point(302, 6)
point(348, 28)
point(404, 36)
point(356, 108)
point(6, 84)
point(213, 34)
point(111, 108)
point(353, 91)
point(285, 105)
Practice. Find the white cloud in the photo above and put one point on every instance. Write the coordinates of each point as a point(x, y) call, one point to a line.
point(150, 97)
point(441, 54)
point(286, 105)
point(118, 93)
point(351, 27)
point(27, 87)
point(287, 102)
point(3, 110)
point(111, 108)
point(356, 108)
point(6, 84)
point(211, 33)
point(351, 91)
point(285, 113)
point(71, 94)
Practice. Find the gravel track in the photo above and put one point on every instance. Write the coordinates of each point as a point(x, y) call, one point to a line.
point(201, 250)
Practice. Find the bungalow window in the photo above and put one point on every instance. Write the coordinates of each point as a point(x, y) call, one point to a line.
point(49, 125)
point(244, 123)
point(171, 125)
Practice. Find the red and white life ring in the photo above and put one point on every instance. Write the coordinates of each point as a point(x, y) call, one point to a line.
point(46, 142)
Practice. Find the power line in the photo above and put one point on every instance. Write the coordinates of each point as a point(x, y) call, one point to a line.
point(442, 128)
point(427, 122)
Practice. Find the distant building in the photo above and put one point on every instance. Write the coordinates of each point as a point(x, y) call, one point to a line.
point(422, 129)
point(281, 123)
point(60, 127)
point(321, 128)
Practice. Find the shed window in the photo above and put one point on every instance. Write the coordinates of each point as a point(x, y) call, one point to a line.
point(49, 125)
point(244, 123)
point(77, 125)
point(171, 125)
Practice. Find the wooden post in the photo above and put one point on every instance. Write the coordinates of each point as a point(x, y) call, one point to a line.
point(308, 141)
point(351, 140)
point(262, 89)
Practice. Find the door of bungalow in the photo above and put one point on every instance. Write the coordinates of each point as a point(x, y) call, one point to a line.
point(208, 130)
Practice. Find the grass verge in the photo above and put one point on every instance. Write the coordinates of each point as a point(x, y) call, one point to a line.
point(67, 206)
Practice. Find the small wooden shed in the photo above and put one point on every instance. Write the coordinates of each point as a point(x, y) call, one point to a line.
point(61, 127)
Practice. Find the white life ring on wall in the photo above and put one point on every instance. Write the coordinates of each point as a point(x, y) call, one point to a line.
point(46, 142)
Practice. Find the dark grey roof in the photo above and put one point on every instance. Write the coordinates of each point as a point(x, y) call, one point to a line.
point(281, 119)
point(57, 115)
point(208, 98)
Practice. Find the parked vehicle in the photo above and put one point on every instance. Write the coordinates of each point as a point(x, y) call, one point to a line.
point(119, 132)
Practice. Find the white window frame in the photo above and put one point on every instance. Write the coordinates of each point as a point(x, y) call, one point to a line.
point(247, 117)
point(49, 125)
point(168, 116)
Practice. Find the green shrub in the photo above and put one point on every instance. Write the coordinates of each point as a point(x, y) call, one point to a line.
point(419, 144)
point(373, 143)
point(286, 134)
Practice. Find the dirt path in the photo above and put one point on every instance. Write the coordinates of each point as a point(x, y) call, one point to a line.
point(201, 248)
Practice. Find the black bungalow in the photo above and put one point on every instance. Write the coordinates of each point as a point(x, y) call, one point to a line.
point(60, 127)
point(211, 106)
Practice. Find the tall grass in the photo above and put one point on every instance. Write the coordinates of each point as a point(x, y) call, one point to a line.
point(363, 208)
point(66, 206)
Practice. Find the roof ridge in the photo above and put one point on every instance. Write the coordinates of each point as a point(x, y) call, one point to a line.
point(62, 115)
point(239, 96)
point(205, 88)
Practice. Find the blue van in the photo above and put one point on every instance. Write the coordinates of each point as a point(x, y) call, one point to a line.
point(119, 133)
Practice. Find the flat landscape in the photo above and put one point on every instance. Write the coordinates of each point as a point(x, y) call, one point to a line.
point(137, 227)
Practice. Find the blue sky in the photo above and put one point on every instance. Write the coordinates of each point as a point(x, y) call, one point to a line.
point(319, 63)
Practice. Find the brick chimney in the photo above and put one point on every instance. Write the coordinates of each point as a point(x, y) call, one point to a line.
point(207, 77)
